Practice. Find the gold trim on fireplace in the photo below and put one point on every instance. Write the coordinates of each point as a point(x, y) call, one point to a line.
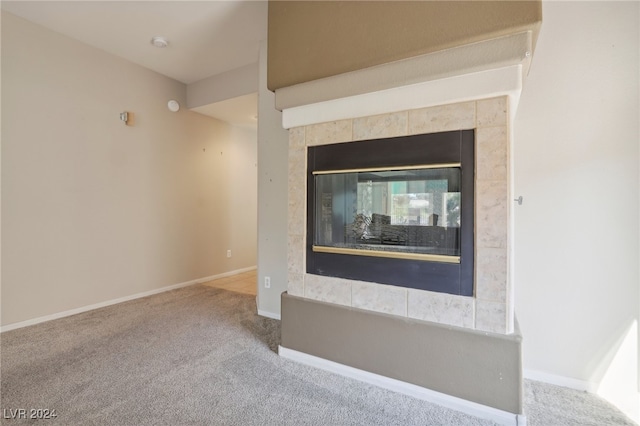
point(391, 254)
point(388, 169)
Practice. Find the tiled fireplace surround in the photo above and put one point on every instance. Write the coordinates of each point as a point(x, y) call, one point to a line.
point(491, 307)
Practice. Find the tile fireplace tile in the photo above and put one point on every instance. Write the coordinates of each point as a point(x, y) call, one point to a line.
point(442, 118)
point(328, 133)
point(297, 167)
point(491, 316)
point(297, 191)
point(380, 126)
point(492, 112)
point(379, 298)
point(327, 289)
point(297, 137)
point(296, 220)
point(491, 274)
point(491, 214)
point(491, 153)
point(295, 284)
point(441, 307)
point(295, 255)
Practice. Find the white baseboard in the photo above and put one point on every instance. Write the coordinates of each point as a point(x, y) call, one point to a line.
point(82, 309)
point(267, 314)
point(225, 274)
point(554, 379)
point(448, 401)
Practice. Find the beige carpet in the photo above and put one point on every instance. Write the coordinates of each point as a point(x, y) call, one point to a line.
point(201, 356)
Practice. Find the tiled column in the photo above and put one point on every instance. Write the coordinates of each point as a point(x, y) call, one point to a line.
point(297, 211)
point(492, 202)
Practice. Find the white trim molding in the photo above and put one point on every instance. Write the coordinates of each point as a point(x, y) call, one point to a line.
point(448, 401)
point(87, 308)
point(506, 81)
point(268, 314)
point(555, 379)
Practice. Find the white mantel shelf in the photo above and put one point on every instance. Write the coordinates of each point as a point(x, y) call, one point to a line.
point(506, 81)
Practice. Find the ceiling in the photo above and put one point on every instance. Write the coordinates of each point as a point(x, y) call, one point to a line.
point(205, 38)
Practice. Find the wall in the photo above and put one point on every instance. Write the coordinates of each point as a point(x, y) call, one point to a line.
point(272, 197)
point(576, 165)
point(220, 87)
point(241, 196)
point(314, 40)
point(94, 210)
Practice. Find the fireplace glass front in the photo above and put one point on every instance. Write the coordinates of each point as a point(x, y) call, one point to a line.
point(395, 212)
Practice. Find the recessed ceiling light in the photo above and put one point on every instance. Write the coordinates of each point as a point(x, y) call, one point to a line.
point(160, 42)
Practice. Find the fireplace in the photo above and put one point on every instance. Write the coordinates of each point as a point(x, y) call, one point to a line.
point(353, 229)
point(395, 211)
point(483, 299)
point(341, 304)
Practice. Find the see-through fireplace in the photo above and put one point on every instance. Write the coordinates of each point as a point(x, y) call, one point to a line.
point(395, 211)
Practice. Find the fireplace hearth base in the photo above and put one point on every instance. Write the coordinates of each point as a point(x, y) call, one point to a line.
point(484, 368)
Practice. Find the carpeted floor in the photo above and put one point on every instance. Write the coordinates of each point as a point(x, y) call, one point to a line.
point(201, 356)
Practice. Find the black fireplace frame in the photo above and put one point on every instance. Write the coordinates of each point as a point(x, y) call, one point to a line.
point(426, 149)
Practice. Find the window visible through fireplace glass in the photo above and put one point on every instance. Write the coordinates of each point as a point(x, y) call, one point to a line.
point(412, 211)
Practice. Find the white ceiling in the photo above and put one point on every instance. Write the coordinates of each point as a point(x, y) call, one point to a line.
point(205, 37)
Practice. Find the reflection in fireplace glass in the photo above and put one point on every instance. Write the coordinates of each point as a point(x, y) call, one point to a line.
point(412, 211)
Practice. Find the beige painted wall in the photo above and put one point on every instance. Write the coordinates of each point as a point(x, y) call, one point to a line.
point(220, 87)
point(576, 165)
point(309, 40)
point(273, 148)
point(94, 210)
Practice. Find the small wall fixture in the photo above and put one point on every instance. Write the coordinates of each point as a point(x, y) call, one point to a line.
point(159, 42)
point(518, 200)
point(173, 106)
point(124, 116)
